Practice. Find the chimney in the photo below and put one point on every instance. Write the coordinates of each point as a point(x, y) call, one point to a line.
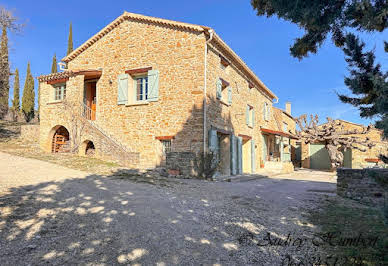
point(288, 108)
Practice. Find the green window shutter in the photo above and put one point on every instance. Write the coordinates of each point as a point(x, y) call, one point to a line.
point(233, 154)
point(213, 140)
point(247, 115)
point(229, 95)
point(219, 89)
point(268, 112)
point(122, 95)
point(253, 117)
point(239, 155)
point(153, 85)
point(264, 148)
point(253, 158)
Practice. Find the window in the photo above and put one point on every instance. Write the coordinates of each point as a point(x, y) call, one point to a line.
point(141, 86)
point(266, 111)
point(59, 92)
point(250, 116)
point(166, 146)
point(285, 127)
point(224, 91)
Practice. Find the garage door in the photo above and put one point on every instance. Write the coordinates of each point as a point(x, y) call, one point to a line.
point(319, 157)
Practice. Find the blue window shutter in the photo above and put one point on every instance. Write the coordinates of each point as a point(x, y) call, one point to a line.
point(122, 94)
point(219, 89)
point(233, 154)
point(247, 115)
point(229, 95)
point(264, 148)
point(253, 117)
point(153, 85)
point(213, 140)
point(253, 158)
point(239, 155)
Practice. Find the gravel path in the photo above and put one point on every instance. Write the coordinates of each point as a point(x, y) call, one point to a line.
point(51, 214)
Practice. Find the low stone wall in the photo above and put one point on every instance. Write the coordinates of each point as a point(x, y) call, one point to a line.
point(185, 163)
point(369, 185)
point(30, 133)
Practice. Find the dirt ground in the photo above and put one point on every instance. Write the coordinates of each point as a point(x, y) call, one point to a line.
point(52, 214)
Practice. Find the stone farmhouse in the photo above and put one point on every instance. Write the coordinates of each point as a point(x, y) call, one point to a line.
point(315, 156)
point(150, 92)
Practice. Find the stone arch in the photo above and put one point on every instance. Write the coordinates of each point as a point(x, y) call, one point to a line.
point(60, 139)
point(87, 148)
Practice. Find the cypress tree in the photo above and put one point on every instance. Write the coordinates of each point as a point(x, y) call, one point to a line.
point(16, 91)
point(4, 73)
point(70, 41)
point(54, 65)
point(28, 100)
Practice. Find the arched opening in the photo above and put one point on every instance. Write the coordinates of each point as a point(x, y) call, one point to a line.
point(60, 140)
point(87, 148)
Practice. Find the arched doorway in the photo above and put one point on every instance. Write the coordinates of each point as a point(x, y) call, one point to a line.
point(87, 148)
point(61, 140)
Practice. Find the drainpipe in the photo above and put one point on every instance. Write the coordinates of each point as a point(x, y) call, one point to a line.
point(211, 32)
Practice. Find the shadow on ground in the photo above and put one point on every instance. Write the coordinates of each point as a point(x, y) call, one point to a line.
point(124, 219)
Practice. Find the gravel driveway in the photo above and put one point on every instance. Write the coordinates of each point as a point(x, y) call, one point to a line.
point(55, 215)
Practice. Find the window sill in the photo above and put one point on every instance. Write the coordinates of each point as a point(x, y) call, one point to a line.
point(224, 103)
point(55, 102)
point(138, 103)
point(250, 126)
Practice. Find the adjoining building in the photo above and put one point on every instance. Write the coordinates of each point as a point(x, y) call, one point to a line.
point(316, 156)
point(148, 92)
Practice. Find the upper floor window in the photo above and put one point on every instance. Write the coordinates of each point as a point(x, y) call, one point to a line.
point(59, 92)
point(141, 85)
point(138, 85)
point(285, 127)
point(266, 111)
point(224, 62)
point(250, 116)
point(224, 91)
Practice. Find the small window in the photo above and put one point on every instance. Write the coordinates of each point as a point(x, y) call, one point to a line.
point(285, 127)
point(250, 116)
point(166, 146)
point(60, 92)
point(266, 111)
point(141, 85)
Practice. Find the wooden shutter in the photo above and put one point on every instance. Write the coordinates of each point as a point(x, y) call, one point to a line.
point(229, 95)
point(253, 158)
point(122, 94)
point(153, 85)
point(213, 140)
point(239, 155)
point(219, 89)
point(233, 154)
point(247, 115)
point(264, 148)
point(253, 117)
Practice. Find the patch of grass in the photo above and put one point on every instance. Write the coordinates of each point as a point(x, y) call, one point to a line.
point(32, 150)
point(349, 219)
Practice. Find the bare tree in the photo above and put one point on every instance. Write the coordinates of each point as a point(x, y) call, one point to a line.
point(76, 125)
point(334, 136)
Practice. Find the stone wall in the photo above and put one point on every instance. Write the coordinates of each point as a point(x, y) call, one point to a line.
point(30, 133)
point(185, 162)
point(363, 185)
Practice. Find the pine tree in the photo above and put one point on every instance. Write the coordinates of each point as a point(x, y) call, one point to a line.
point(4, 73)
point(366, 80)
point(54, 65)
point(28, 100)
point(16, 91)
point(70, 41)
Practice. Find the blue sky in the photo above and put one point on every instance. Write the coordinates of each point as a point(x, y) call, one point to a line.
point(262, 43)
